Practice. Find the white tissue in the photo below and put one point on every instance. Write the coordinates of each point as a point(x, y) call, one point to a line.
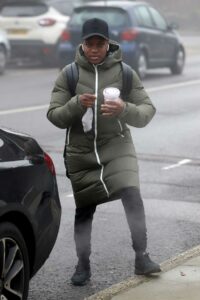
point(87, 119)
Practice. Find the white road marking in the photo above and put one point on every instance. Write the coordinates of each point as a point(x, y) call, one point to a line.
point(178, 164)
point(174, 85)
point(154, 89)
point(23, 109)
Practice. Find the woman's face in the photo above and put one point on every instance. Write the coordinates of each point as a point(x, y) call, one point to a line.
point(95, 49)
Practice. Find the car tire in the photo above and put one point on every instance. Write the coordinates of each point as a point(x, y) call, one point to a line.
point(3, 59)
point(14, 263)
point(179, 62)
point(141, 65)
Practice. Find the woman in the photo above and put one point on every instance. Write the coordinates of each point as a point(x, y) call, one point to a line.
point(100, 156)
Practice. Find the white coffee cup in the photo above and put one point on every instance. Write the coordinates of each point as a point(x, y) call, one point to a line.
point(111, 94)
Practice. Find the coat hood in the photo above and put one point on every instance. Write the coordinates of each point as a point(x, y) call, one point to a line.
point(113, 56)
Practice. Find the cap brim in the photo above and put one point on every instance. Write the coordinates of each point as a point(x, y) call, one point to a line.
point(94, 34)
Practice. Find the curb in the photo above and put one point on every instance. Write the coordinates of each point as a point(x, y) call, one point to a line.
point(132, 282)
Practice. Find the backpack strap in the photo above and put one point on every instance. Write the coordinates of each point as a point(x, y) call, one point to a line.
point(127, 78)
point(72, 77)
point(72, 74)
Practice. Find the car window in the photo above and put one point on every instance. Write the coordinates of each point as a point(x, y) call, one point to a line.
point(7, 151)
point(113, 16)
point(60, 5)
point(143, 17)
point(25, 10)
point(158, 19)
point(14, 147)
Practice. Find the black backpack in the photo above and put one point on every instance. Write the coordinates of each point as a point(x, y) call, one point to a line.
point(73, 75)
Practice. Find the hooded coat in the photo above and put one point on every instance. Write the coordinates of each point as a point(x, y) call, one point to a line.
point(102, 162)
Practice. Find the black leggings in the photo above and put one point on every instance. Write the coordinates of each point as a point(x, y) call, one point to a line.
point(134, 209)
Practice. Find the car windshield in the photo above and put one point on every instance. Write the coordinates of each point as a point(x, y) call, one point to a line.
point(60, 5)
point(18, 10)
point(113, 16)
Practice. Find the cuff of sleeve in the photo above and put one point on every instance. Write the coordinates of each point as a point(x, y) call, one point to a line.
point(82, 108)
point(72, 109)
point(76, 106)
point(124, 112)
point(128, 107)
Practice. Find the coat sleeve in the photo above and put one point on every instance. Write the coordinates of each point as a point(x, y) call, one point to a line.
point(139, 109)
point(63, 110)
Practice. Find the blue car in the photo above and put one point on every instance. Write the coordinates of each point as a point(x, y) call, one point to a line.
point(146, 39)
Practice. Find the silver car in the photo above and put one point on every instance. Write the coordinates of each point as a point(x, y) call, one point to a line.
point(4, 51)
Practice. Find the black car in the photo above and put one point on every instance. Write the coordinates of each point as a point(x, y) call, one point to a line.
point(146, 39)
point(30, 211)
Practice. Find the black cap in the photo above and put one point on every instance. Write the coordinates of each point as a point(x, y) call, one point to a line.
point(93, 27)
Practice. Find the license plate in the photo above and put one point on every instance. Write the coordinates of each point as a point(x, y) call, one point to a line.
point(17, 31)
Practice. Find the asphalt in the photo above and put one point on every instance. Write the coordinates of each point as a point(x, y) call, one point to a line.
point(179, 279)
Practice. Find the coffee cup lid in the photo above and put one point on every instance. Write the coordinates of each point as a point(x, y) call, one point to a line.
point(111, 92)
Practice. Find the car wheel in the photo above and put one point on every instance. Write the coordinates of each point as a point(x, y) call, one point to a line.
point(2, 60)
point(14, 263)
point(178, 65)
point(142, 65)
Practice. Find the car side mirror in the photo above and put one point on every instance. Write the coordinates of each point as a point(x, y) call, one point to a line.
point(172, 26)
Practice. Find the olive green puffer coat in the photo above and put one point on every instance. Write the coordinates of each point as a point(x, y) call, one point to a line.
point(102, 162)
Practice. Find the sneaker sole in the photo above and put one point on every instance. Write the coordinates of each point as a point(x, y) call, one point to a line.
point(137, 272)
point(80, 283)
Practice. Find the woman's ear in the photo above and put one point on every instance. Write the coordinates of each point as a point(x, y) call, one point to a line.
point(82, 46)
point(108, 47)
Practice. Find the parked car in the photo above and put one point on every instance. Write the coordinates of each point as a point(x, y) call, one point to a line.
point(4, 51)
point(63, 6)
point(29, 211)
point(146, 39)
point(33, 28)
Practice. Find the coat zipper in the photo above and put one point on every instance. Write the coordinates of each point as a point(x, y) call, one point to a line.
point(95, 131)
point(121, 128)
point(68, 135)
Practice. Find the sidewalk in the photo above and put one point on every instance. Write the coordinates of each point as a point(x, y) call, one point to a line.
point(179, 279)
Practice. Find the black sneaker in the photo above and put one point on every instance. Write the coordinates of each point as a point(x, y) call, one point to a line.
point(82, 274)
point(144, 265)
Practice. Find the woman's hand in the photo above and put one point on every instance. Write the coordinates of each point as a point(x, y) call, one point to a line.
point(87, 100)
point(112, 107)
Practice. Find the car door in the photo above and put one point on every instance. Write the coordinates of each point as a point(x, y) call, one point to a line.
point(11, 160)
point(149, 37)
point(168, 40)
